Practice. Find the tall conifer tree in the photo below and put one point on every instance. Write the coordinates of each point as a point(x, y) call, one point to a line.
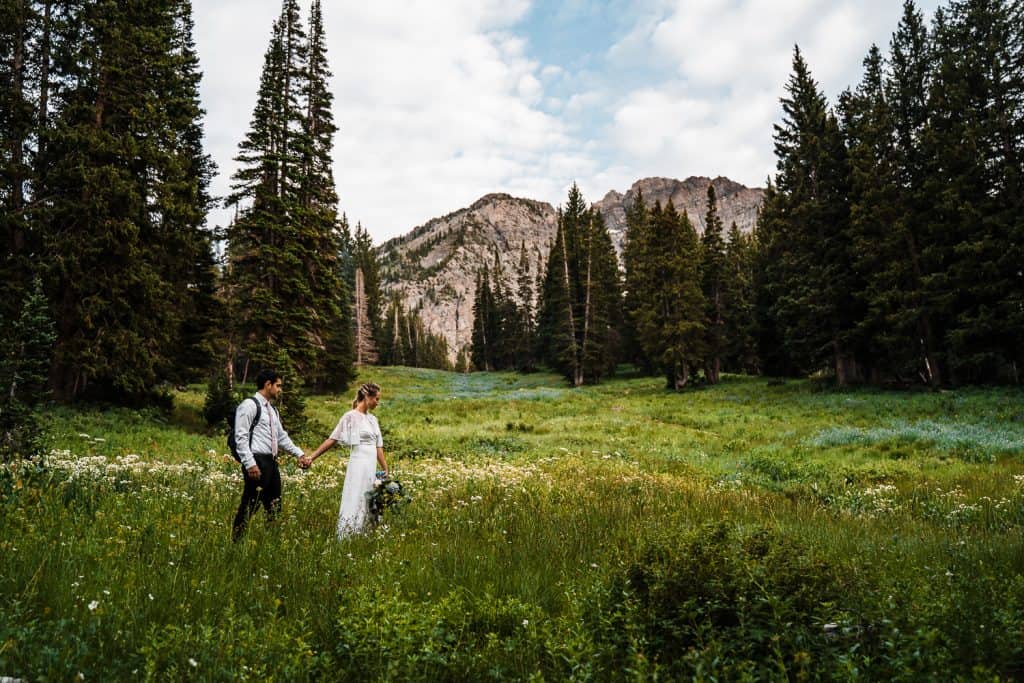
point(284, 269)
point(973, 143)
point(811, 287)
point(580, 303)
point(738, 293)
point(869, 132)
point(713, 276)
point(16, 129)
point(125, 177)
point(637, 286)
point(916, 319)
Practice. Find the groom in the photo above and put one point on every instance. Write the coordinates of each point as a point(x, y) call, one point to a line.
point(259, 455)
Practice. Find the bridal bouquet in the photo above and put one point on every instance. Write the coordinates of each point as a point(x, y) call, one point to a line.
point(387, 493)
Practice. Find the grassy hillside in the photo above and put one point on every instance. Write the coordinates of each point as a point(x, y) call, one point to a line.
point(749, 530)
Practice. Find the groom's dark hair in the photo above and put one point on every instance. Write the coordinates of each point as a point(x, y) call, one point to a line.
point(266, 375)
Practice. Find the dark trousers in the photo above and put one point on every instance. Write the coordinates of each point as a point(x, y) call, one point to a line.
point(265, 491)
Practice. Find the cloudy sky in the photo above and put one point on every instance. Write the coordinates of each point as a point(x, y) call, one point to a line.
point(439, 103)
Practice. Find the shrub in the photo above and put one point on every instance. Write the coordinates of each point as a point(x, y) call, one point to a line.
point(737, 602)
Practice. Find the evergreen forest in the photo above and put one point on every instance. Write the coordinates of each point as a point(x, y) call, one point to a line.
point(887, 250)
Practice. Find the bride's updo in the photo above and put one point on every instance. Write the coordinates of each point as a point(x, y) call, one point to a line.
point(368, 389)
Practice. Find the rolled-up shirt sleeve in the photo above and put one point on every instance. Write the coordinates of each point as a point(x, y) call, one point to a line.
point(244, 415)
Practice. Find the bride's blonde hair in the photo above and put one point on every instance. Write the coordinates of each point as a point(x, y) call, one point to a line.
point(368, 389)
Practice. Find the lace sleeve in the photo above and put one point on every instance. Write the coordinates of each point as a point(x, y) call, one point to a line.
point(346, 432)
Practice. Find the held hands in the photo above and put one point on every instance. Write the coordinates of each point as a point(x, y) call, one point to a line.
point(305, 461)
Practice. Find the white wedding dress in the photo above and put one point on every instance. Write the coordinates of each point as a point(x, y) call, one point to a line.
point(361, 433)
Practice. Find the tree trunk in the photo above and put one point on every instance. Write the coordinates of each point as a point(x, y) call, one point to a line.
point(18, 135)
point(577, 371)
point(44, 79)
point(587, 314)
point(847, 369)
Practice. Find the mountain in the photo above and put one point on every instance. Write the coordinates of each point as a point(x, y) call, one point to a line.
point(433, 268)
point(736, 202)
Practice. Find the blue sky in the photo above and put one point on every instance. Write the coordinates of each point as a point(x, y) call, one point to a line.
point(441, 103)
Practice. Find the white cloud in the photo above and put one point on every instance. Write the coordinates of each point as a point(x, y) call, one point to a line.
point(725, 67)
point(440, 103)
point(437, 103)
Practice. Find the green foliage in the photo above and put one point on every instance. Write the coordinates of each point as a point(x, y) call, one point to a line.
point(292, 403)
point(286, 275)
point(667, 306)
point(738, 292)
point(809, 280)
point(407, 341)
point(220, 401)
point(129, 265)
point(713, 271)
point(753, 595)
point(890, 240)
point(579, 310)
point(613, 530)
point(26, 345)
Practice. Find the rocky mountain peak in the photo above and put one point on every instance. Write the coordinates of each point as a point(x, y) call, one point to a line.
point(736, 203)
point(433, 267)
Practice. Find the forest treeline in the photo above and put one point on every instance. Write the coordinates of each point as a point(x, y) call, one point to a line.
point(888, 250)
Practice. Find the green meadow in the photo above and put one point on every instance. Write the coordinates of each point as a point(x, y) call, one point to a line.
point(754, 530)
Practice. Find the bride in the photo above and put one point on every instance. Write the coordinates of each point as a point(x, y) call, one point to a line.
point(359, 430)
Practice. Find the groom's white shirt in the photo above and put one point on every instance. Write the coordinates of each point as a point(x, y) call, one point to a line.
point(262, 441)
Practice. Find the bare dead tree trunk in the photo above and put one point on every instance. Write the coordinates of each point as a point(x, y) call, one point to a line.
point(44, 78)
point(577, 373)
point(587, 314)
point(366, 352)
point(18, 138)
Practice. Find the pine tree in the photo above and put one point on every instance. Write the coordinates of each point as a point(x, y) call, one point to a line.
point(284, 270)
point(462, 362)
point(875, 239)
point(602, 304)
point(484, 327)
point(409, 342)
point(915, 318)
point(182, 200)
point(365, 258)
point(331, 299)
point(16, 128)
point(556, 322)
point(637, 286)
point(366, 350)
point(580, 306)
point(771, 266)
point(972, 142)
point(670, 318)
point(713, 275)
point(27, 344)
point(121, 161)
point(738, 294)
point(523, 335)
point(811, 288)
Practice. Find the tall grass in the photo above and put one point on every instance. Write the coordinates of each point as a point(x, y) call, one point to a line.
point(612, 532)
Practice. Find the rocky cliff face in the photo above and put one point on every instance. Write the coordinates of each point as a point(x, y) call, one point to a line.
point(735, 202)
point(433, 268)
